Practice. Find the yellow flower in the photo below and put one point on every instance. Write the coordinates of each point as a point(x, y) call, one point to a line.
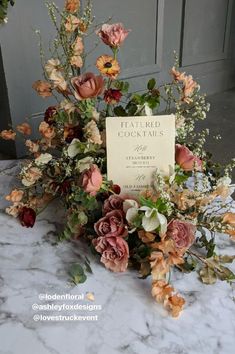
point(108, 66)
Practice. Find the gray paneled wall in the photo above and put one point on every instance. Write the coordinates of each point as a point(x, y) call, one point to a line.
point(201, 31)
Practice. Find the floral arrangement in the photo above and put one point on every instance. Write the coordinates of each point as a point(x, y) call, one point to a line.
point(174, 223)
point(3, 9)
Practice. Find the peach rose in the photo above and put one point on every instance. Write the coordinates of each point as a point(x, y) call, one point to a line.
point(114, 252)
point(72, 5)
point(87, 86)
point(24, 129)
point(32, 175)
point(43, 88)
point(182, 232)
point(46, 130)
point(186, 160)
point(33, 147)
point(72, 23)
point(15, 196)
point(91, 180)
point(8, 134)
point(113, 35)
point(112, 224)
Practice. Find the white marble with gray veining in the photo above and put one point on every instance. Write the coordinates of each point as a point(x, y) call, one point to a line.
point(130, 321)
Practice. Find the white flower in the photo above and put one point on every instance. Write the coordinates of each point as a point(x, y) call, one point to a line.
point(85, 163)
point(92, 133)
point(153, 219)
point(224, 181)
point(74, 148)
point(130, 203)
point(67, 106)
point(51, 65)
point(58, 80)
point(43, 159)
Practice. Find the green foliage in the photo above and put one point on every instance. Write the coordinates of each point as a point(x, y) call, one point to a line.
point(3, 8)
point(123, 86)
point(209, 245)
point(77, 274)
point(214, 269)
point(151, 84)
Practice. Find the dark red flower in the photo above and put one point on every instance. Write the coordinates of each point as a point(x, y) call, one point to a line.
point(112, 96)
point(27, 217)
point(116, 188)
point(72, 132)
point(49, 115)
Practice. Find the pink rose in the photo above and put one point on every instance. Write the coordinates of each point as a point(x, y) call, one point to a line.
point(186, 160)
point(183, 233)
point(113, 35)
point(112, 203)
point(91, 180)
point(112, 224)
point(87, 86)
point(114, 251)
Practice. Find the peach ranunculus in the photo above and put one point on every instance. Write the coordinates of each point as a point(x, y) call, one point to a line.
point(46, 130)
point(229, 220)
point(87, 86)
point(32, 146)
point(72, 5)
point(8, 134)
point(31, 175)
point(91, 180)
point(108, 66)
point(186, 160)
point(92, 133)
point(15, 196)
point(114, 252)
point(72, 23)
point(43, 88)
point(24, 128)
point(113, 35)
point(182, 233)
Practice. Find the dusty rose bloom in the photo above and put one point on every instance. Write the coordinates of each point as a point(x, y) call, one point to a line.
point(92, 133)
point(15, 196)
point(91, 180)
point(43, 88)
point(24, 129)
point(72, 5)
point(72, 23)
point(113, 35)
point(31, 176)
point(186, 160)
point(182, 232)
point(112, 224)
point(46, 130)
point(33, 147)
point(114, 202)
point(114, 252)
point(87, 86)
point(8, 134)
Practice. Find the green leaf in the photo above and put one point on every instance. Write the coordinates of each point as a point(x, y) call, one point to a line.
point(208, 275)
point(88, 267)
point(77, 274)
point(120, 111)
point(151, 84)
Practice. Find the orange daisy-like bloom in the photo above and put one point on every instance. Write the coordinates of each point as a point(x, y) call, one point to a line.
point(108, 66)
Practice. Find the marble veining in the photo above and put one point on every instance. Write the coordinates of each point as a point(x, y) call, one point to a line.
point(33, 263)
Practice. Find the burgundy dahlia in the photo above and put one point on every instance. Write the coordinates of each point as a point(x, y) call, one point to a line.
point(27, 217)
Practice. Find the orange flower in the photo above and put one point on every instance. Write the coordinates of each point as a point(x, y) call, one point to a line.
point(175, 304)
point(178, 76)
point(46, 130)
point(8, 134)
point(189, 87)
point(229, 219)
point(72, 5)
point(108, 66)
point(78, 46)
point(15, 196)
point(161, 290)
point(146, 237)
point(158, 265)
point(33, 147)
point(72, 23)
point(43, 88)
point(24, 129)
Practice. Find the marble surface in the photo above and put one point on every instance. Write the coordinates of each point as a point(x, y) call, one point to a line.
point(32, 263)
